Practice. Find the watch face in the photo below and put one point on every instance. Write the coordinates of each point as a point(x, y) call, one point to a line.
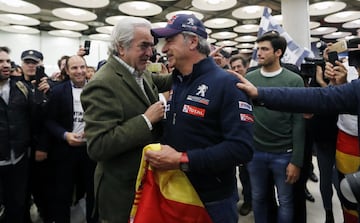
point(184, 167)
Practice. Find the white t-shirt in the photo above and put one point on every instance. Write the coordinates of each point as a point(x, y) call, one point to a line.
point(79, 123)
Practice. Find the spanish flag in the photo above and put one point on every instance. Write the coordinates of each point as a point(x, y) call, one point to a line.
point(165, 196)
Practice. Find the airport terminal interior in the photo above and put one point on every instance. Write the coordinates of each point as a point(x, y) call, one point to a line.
point(58, 27)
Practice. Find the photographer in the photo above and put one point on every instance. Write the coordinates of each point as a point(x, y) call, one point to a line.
point(321, 135)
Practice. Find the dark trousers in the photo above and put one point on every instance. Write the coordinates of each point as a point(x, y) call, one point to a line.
point(325, 153)
point(77, 167)
point(13, 180)
point(39, 188)
point(245, 182)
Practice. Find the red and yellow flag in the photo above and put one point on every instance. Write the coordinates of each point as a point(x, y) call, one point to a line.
point(165, 196)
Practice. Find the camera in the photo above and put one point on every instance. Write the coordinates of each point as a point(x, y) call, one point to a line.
point(308, 69)
point(321, 46)
point(354, 58)
point(354, 52)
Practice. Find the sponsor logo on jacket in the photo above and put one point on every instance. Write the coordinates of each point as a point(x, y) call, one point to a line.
point(193, 110)
point(247, 118)
point(245, 105)
point(198, 99)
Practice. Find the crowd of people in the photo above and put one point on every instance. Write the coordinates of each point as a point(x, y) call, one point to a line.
point(79, 132)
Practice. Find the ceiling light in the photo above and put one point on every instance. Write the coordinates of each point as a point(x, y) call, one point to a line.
point(113, 20)
point(198, 15)
point(314, 39)
point(249, 12)
point(19, 19)
point(96, 23)
point(87, 3)
point(18, 6)
point(344, 16)
point(140, 8)
point(245, 45)
point(65, 33)
point(247, 28)
point(325, 7)
point(246, 38)
point(336, 35)
point(218, 23)
point(213, 5)
point(74, 14)
point(245, 51)
point(20, 29)
point(226, 43)
point(352, 24)
point(3, 23)
point(314, 25)
point(105, 29)
point(323, 30)
point(70, 25)
point(224, 35)
point(100, 36)
point(211, 40)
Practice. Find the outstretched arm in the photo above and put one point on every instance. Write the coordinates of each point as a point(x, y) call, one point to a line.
point(245, 85)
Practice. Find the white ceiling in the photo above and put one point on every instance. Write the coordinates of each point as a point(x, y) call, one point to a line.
point(96, 17)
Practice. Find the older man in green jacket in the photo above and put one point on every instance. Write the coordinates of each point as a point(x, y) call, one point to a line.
point(122, 115)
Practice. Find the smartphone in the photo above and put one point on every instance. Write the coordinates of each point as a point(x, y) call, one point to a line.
point(87, 44)
point(333, 56)
point(40, 73)
point(154, 67)
point(339, 47)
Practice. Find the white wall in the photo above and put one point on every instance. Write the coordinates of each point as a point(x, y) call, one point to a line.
point(52, 48)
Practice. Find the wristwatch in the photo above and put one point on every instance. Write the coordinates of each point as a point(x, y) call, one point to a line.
point(184, 162)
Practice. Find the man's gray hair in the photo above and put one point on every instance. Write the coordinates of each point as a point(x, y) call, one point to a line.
point(203, 47)
point(123, 32)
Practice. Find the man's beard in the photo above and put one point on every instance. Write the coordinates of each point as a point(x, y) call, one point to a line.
point(3, 77)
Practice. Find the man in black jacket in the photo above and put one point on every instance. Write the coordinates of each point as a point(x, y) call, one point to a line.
point(16, 110)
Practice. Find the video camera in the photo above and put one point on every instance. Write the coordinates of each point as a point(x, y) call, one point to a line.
point(354, 52)
point(308, 69)
point(352, 47)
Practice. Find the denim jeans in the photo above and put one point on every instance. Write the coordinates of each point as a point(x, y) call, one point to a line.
point(224, 211)
point(259, 168)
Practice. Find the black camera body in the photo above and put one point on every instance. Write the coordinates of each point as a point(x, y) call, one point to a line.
point(308, 69)
point(354, 52)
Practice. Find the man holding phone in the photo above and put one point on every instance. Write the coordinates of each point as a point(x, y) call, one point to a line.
point(84, 50)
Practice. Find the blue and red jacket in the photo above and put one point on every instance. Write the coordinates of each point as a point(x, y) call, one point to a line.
point(210, 119)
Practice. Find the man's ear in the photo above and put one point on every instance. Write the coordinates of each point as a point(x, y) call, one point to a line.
point(278, 52)
point(194, 42)
point(121, 50)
